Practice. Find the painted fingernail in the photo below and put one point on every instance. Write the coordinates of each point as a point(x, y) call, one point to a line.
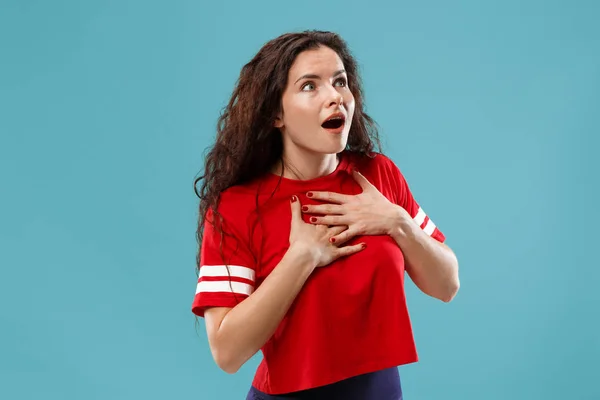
point(332, 240)
point(363, 245)
point(313, 219)
point(309, 194)
point(304, 208)
point(294, 199)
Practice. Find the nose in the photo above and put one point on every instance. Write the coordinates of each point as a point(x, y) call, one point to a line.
point(336, 98)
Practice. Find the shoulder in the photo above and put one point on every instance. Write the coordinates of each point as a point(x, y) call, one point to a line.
point(234, 207)
point(235, 198)
point(373, 162)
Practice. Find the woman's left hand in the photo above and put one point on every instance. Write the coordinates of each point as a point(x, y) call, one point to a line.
point(367, 213)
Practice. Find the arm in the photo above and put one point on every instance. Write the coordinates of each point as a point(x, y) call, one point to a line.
point(431, 265)
point(236, 334)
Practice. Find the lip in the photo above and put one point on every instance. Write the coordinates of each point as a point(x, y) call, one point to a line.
point(334, 115)
point(335, 131)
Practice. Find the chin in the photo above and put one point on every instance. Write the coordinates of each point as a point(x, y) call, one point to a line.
point(340, 148)
point(335, 148)
point(330, 145)
point(341, 145)
point(327, 150)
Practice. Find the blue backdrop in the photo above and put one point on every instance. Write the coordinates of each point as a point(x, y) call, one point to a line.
point(490, 108)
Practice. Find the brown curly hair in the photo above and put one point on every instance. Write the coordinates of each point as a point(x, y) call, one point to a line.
point(247, 143)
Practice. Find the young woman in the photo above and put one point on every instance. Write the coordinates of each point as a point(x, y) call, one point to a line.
point(306, 232)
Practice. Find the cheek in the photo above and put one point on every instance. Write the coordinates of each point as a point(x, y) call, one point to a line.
point(299, 115)
point(349, 101)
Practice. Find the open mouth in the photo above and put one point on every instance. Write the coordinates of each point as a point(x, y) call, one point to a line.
point(333, 123)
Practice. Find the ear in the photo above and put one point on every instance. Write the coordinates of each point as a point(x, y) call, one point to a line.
point(278, 122)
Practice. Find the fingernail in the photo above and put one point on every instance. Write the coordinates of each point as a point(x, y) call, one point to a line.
point(309, 194)
point(313, 219)
point(363, 245)
point(294, 199)
point(304, 208)
point(332, 240)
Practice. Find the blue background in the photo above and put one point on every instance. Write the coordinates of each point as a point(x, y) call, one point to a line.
point(491, 109)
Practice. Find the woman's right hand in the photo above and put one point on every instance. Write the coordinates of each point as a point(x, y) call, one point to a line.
point(315, 239)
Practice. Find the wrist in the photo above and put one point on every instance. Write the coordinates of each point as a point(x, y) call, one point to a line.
point(400, 223)
point(301, 254)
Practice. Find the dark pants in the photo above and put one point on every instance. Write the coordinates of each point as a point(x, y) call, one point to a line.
point(380, 385)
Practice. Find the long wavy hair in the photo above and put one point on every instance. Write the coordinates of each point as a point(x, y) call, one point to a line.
point(247, 143)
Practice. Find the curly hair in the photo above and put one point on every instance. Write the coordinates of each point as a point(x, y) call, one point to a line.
point(247, 143)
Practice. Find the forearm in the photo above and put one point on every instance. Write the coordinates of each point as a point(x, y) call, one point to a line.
point(248, 326)
point(431, 265)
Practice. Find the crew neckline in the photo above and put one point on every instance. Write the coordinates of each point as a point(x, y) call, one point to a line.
point(284, 182)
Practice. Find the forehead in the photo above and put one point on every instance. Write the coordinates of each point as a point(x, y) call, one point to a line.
point(321, 60)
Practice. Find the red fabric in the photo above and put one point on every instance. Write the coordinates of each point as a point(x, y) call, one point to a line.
point(350, 317)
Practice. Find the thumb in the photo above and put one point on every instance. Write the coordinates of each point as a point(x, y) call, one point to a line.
point(361, 180)
point(296, 210)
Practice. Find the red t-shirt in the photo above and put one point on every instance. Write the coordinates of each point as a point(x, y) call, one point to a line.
point(350, 317)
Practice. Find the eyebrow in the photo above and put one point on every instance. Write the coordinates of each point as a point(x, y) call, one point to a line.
point(313, 76)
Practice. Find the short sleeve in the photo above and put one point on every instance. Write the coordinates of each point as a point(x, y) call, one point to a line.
point(227, 268)
point(406, 200)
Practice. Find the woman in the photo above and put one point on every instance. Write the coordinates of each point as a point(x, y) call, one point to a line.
point(306, 232)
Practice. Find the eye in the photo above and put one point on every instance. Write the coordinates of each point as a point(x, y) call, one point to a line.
point(310, 85)
point(342, 81)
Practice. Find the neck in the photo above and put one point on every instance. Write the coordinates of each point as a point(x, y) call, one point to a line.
point(303, 165)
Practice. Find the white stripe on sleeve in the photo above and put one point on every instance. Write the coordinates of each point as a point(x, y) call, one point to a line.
point(429, 228)
point(224, 286)
point(221, 270)
point(420, 217)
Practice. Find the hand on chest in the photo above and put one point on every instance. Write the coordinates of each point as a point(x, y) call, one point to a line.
point(382, 254)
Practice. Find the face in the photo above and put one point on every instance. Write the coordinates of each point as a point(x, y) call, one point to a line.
point(317, 89)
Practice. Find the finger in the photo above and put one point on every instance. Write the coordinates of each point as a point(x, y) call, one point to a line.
point(329, 220)
point(335, 231)
point(361, 180)
point(343, 236)
point(330, 197)
point(296, 210)
point(349, 250)
point(324, 209)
